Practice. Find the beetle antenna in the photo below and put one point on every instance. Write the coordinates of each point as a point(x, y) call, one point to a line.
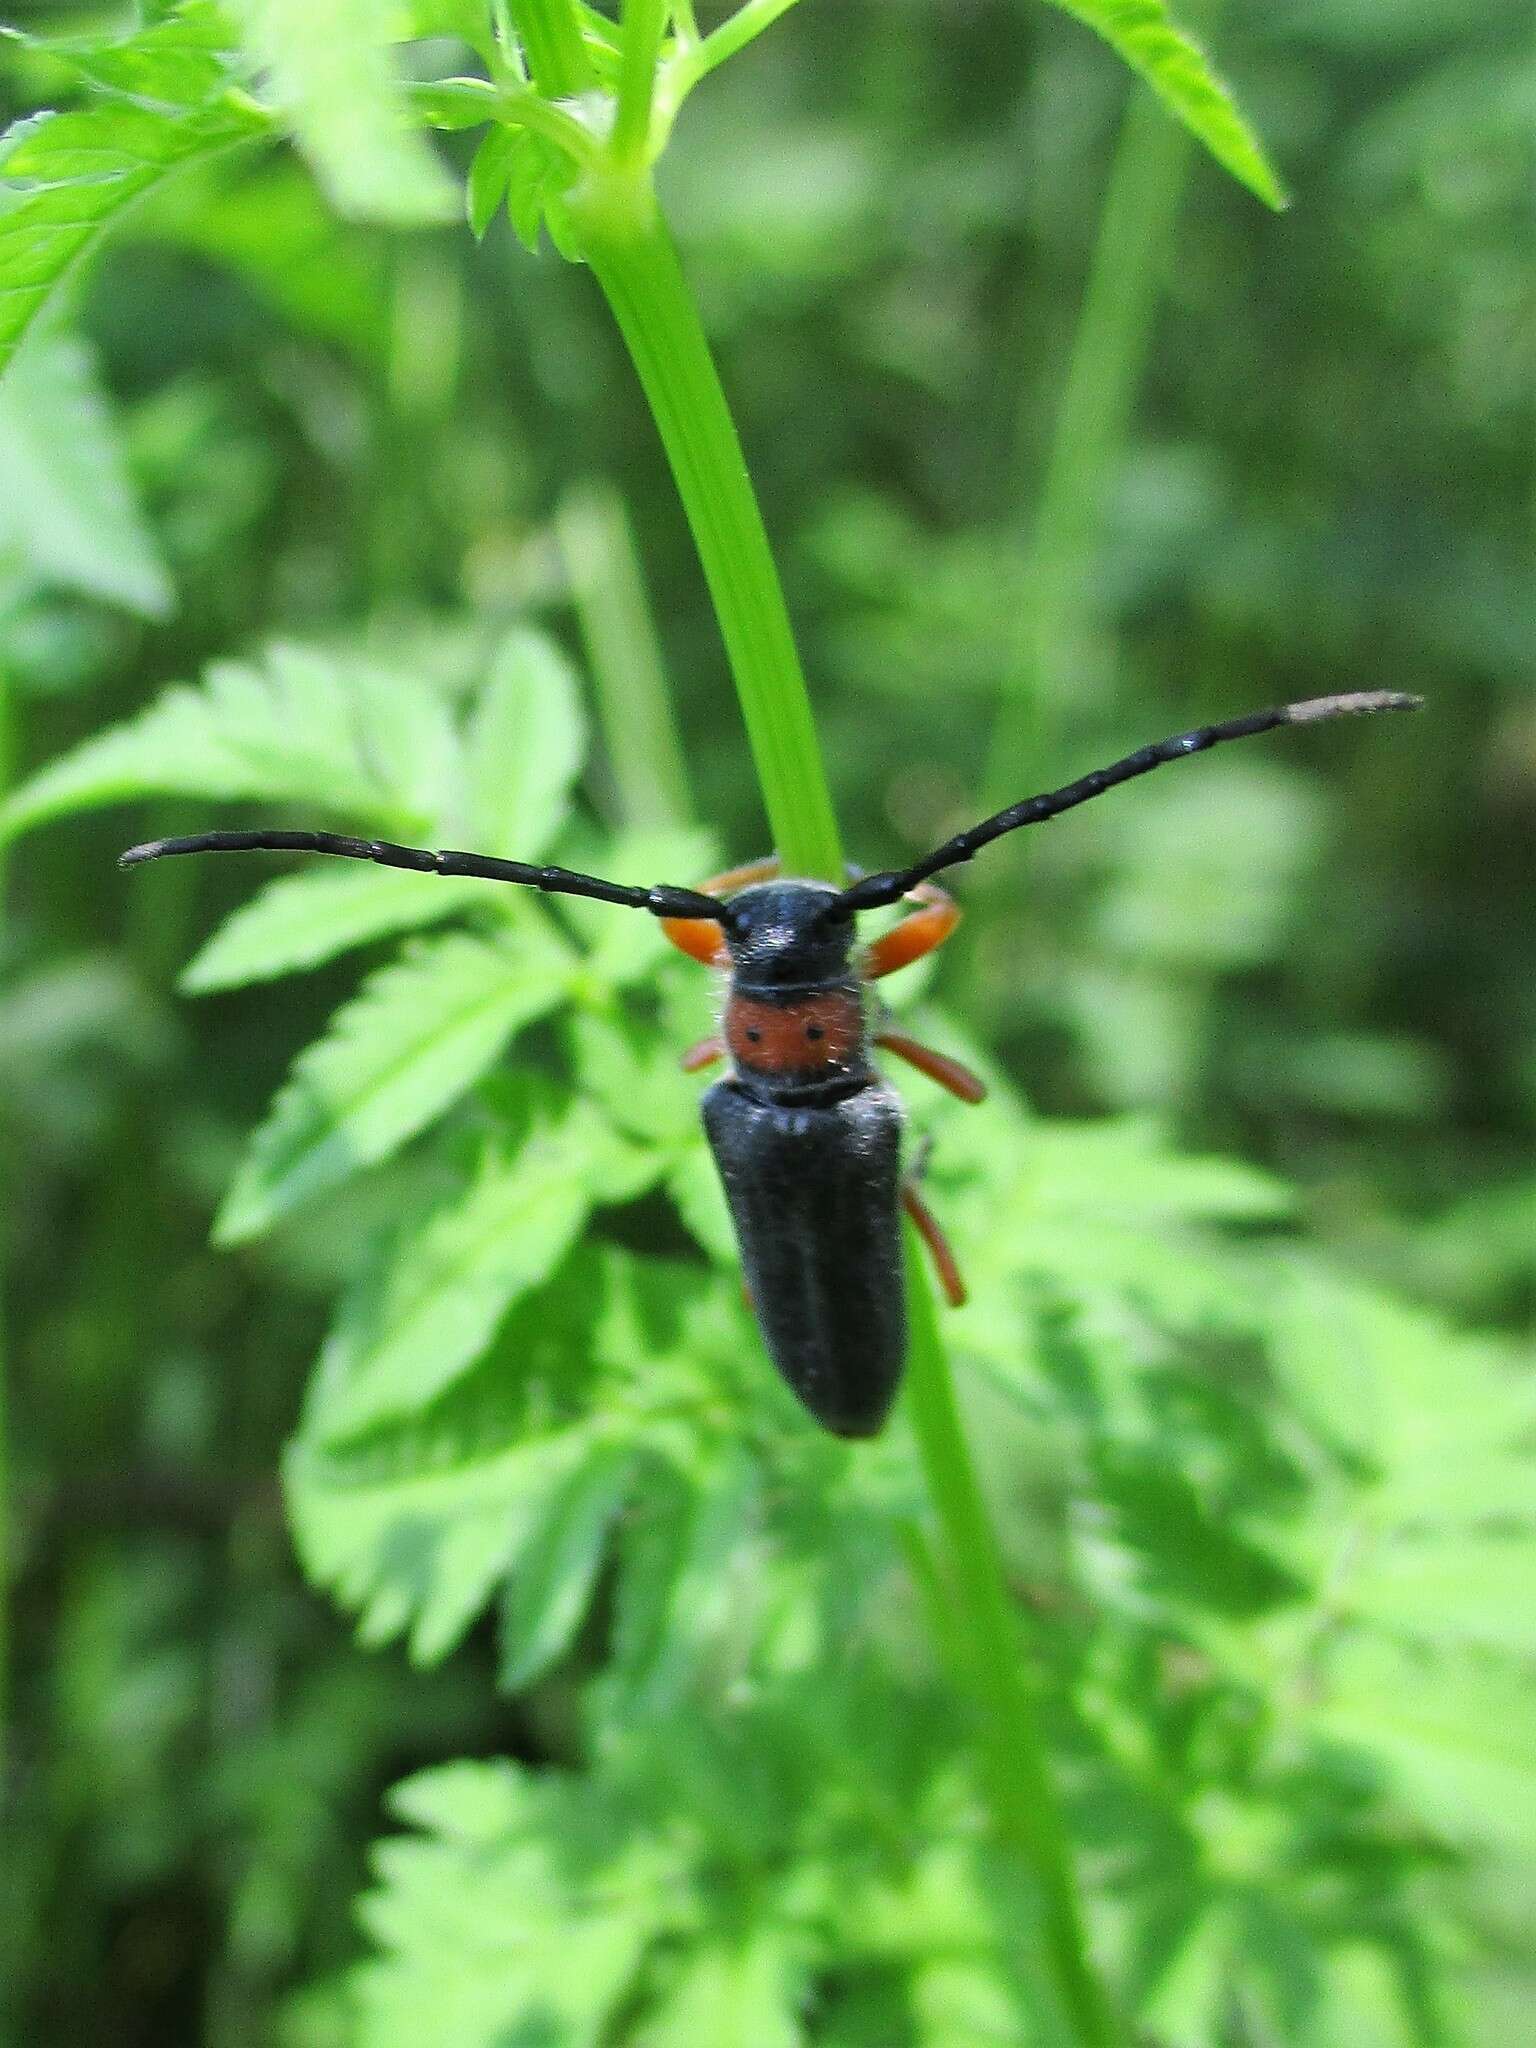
point(661, 901)
point(872, 892)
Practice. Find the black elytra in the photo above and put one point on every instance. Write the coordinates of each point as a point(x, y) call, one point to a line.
point(805, 1132)
point(814, 1192)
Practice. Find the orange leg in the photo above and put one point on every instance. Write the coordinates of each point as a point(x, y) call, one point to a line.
point(702, 1055)
point(938, 1244)
point(751, 871)
point(916, 935)
point(938, 1066)
point(700, 937)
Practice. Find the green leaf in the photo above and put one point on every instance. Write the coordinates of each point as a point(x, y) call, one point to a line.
point(304, 726)
point(1142, 32)
point(305, 919)
point(677, 1586)
point(979, 1973)
point(627, 949)
point(1452, 1731)
point(67, 507)
point(526, 742)
point(1450, 1586)
point(1125, 1168)
point(488, 175)
point(463, 1802)
point(745, 1995)
point(417, 1522)
point(418, 1035)
point(1185, 2001)
point(1363, 1999)
point(417, 1536)
point(539, 175)
point(452, 1282)
point(469, 20)
point(525, 195)
point(1446, 1422)
point(632, 1069)
point(184, 59)
point(520, 1920)
point(452, 104)
point(1106, 1213)
point(556, 1573)
point(332, 74)
point(71, 176)
point(1182, 1549)
point(694, 1185)
point(403, 736)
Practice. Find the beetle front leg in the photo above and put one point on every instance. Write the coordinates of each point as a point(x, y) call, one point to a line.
point(917, 934)
point(700, 937)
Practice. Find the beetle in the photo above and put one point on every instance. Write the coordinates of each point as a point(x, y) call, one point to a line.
point(805, 1132)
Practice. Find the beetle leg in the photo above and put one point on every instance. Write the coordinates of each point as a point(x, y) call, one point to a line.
point(702, 1055)
point(700, 937)
point(917, 934)
point(743, 877)
point(938, 1066)
point(939, 1248)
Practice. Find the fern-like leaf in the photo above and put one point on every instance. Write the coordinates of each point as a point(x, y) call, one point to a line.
point(524, 747)
point(1142, 32)
point(550, 1591)
point(303, 920)
point(332, 76)
point(306, 727)
point(419, 1034)
point(522, 1912)
point(417, 1534)
point(67, 507)
point(454, 1279)
point(72, 175)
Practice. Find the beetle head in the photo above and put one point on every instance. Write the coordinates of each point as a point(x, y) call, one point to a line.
point(782, 941)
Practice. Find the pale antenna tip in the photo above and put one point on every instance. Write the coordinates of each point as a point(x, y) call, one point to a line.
point(1356, 704)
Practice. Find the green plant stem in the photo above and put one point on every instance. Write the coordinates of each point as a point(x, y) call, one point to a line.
point(645, 751)
point(626, 243)
point(632, 257)
point(980, 1633)
point(1109, 353)
point(733, 34)
point(645, 23)
point(552, 41)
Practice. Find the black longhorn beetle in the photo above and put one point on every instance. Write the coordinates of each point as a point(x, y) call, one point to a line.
point(805, 1132)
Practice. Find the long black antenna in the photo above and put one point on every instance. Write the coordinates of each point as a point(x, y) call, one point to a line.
point(660, 901)
point(874, 891)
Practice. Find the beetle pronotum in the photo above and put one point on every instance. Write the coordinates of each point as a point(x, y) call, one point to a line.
point(805, 1132)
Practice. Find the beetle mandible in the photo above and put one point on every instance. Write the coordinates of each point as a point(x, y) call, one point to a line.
point(805, 1132)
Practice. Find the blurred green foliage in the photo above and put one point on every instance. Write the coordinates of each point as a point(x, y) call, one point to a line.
point(667, 1756)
